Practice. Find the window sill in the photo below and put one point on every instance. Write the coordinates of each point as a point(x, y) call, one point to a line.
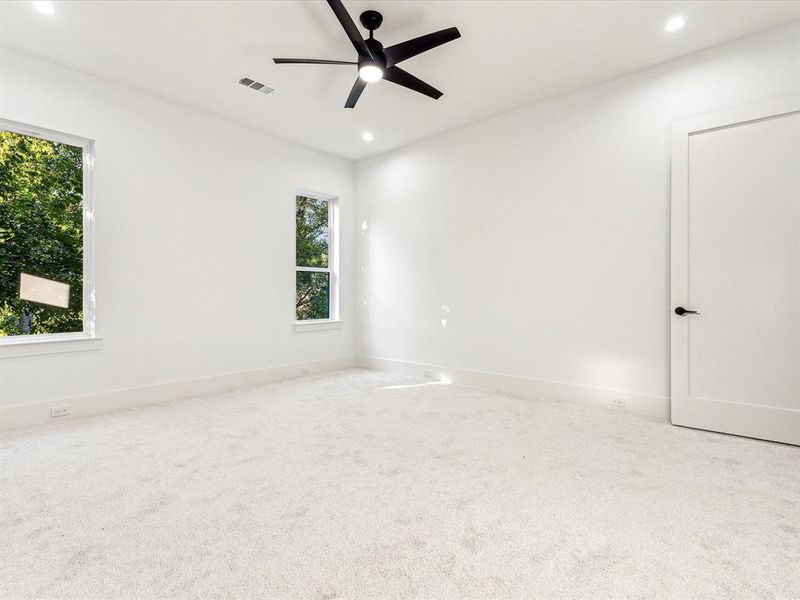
point(322, 325)
point(37, 345)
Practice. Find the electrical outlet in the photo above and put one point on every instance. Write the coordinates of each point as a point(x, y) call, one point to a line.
point(427, 374)
point(617, 402)
point(304, 370)
point(61, 411)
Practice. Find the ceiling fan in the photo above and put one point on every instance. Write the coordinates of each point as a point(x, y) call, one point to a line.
point(376, 62)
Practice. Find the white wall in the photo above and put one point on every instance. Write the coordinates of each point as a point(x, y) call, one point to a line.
point(194, 245)
point(545, 230)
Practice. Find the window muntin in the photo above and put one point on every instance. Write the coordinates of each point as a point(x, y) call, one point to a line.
point(45, 229)
point(315, 276)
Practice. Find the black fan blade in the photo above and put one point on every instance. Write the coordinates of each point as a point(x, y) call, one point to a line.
point(399, 52)
point(311, 61)
point(349, 27)
point(355, 93)
point(406, 79)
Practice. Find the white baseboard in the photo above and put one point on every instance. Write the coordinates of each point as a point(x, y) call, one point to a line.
point(23, 415)
point(642, 404)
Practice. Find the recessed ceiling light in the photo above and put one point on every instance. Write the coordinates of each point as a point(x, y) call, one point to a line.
point(367, 136)
point(44, 6)
point(674, 24)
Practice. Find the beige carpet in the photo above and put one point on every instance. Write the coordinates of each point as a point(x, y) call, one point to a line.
point(366, 485)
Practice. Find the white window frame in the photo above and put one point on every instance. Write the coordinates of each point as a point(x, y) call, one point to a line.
point(333, 321)
point(53, 343)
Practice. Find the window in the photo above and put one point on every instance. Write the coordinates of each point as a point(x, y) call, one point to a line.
point(45, 231)
point(316, 286)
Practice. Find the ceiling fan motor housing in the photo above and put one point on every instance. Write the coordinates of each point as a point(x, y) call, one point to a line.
point(378, 57)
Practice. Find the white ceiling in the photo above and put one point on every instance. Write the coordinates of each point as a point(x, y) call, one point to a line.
point(510, 54)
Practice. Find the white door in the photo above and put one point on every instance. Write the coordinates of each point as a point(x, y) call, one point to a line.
point(736, 260)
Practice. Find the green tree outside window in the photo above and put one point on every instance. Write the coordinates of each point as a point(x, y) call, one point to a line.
point(41, 231)
point(313, 287)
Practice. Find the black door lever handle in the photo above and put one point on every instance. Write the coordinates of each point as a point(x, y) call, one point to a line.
point(680, 311)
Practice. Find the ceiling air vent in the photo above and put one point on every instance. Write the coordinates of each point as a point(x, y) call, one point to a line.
point(256, 85)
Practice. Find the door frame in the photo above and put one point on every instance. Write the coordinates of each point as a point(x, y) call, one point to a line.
point(743, 419)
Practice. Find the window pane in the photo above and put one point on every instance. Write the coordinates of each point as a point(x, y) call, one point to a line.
point(313, 295)
point(41, 236)
point(312, 232)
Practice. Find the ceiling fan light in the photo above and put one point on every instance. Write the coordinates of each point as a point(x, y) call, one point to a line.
point(370, 72)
